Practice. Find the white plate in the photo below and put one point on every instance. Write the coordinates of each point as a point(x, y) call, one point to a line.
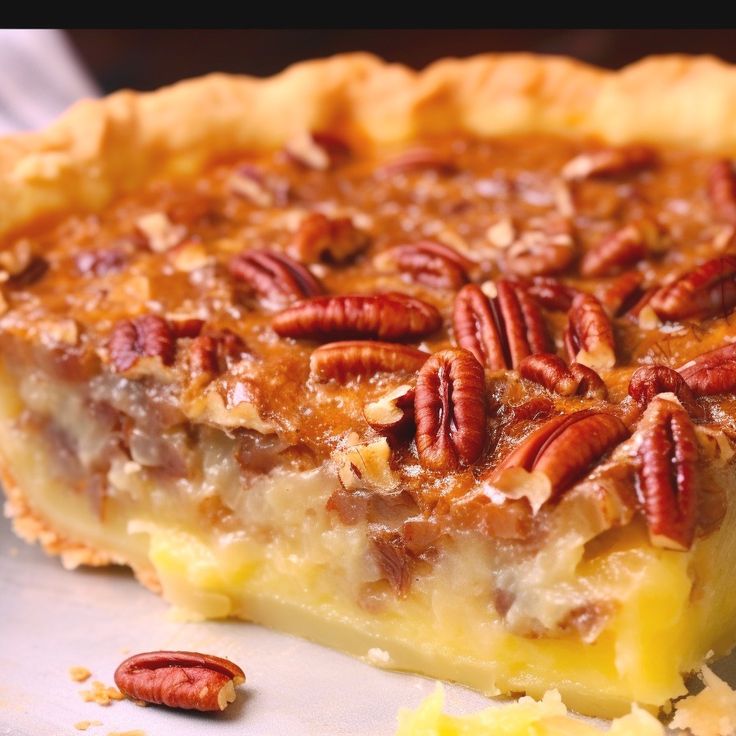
point(52, 619)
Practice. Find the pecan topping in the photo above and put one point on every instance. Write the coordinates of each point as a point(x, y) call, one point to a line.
point(147, 336)
point(432, 264)
point(543, 251)
point(249, 182)
point(563, 450)
point(609, 162)
point(101, 262)
point(389, 316)
point(450, 410)
point(160, 232)
point(389, 551)
point(416, 159)
point(392, 413)
point(667, 457)
point(621, 294)
point(722, 190)
point(342, 361)
point(499, 332)
point(550, 293)
point(550, 371)
point(212, 354)
point(275, 278)
point(707, 291)
point(713, 372)
point(317, 150)
point(324, 238)
point(180, 680)
point(648, 381)
point(589, 335)
point(615, 253)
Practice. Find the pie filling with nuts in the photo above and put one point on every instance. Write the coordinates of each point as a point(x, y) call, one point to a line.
point(465, 401)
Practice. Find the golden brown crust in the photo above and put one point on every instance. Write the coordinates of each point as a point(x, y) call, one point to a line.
point(102, 148)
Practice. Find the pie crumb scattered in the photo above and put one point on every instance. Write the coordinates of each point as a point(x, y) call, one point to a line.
point(135, 732)
point(79, 673)
point(712, 712)
point(101, 694)
point(84, 725)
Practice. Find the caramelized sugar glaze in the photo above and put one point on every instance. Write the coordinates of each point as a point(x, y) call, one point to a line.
point(446, 269)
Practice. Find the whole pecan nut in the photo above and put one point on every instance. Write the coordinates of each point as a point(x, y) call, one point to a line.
point(722, 189)
point(667, 473)
point(707, 291)
point(389, 316)
point(589, 334)
point(550, 249)
point(273, 277)
point(333, 239)
point(500, 332)
point(713, 372)
point(450, 410)
point(432, 264)
point(563, 450)
point(550, 371)
point(615, 253)
point(609, 162)
point(341, 361)
point(148, 336)
point(186, 680)
point(648, 381)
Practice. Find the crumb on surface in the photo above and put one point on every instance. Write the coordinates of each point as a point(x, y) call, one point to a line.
point(712, 712)
point(79, 673)
point(84, 725)
point(135, 732)
point(377, 656)
point(101, 694)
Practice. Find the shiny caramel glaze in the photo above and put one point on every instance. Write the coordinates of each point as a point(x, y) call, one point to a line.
point(101, 269)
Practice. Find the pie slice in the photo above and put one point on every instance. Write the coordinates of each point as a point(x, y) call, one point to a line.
point(435, 368)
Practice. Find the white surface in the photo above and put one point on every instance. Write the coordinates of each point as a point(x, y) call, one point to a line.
point(53, 619)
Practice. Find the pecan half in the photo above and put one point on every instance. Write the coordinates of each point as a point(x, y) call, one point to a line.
point(589, 334)
point(615, 253)
point(621, 294)
point(550, 371)
point(249, 182)
point(713, 372)
point(275, 278)
point(722, 189)
point(433, 264)
point(666, 471)
point(707, 291)
point(416, 159)
point(317, 150)
point(393, 412)
point(558, 454)
point(541, 252)
point(389, 316)
point(649, 380)
point(341, 361)
point(147, 336)
point(319, 237)
point(212, 354)
point(450, 410)
point(550, 293)
point(499, 332)
point(609, 162)
point(187, 680)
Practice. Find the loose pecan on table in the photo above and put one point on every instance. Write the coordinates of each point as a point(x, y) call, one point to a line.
point(450, 410)
point(389, 316)
point(186, 680)
point(722, 189)
point(550, 371)
point(713, 372)
point(148, 336)
point(273, 277)
point(393, 413)
point(649, 380)
point(616, 252)
point(341, 361)
point(333, 239)
point(589, 334)
point(707, 291)
point(433, 264)
point(666, 469)
point(548, 249)
point(501, 331)
point(609, 162)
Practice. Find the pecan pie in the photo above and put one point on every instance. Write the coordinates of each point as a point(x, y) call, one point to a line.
point(440, 365)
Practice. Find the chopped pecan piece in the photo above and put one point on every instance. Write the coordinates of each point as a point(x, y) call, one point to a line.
point(722, 189)
point(450, 410)
point(393, 559)
point(432, 264)
point(392, 413)
point(615, 253)
point(667, 457)
point(713, 372)
point(274, 277)
point(541, 252)
point(341, 361)
point(557, 455)
point(609, 162)
point(160, 232)
point(249, 182)
point(180, 680)
point(550, 371)
point(707, 291)
point(502, 331)
point(317, 150)
point(319, 237)
point(389, 316)
point(147, 336)
point(416, 159)
point(589, 335)
point(648, 381)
